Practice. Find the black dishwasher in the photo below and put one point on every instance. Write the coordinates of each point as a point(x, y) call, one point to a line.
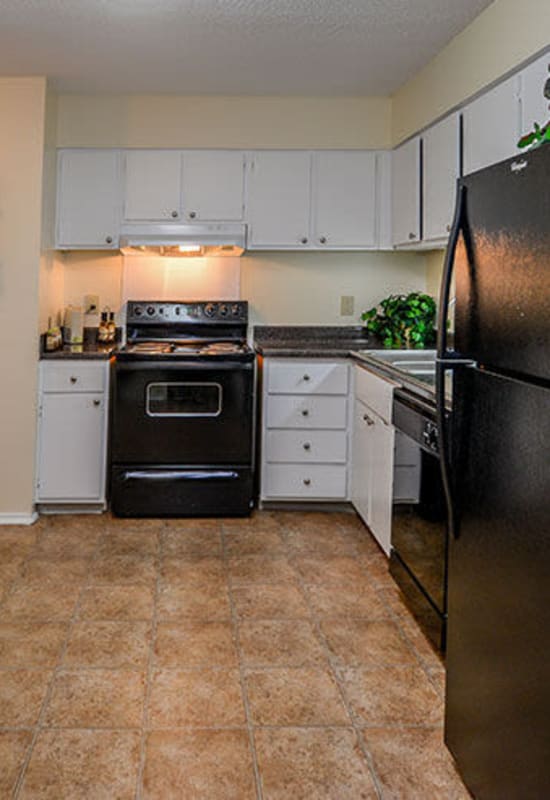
point(418, 560)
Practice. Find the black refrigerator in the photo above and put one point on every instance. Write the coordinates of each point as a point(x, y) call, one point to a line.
point(496, 469)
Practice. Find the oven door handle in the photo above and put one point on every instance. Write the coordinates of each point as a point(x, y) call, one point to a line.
point(180, 475)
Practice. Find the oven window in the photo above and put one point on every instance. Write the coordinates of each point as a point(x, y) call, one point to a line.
point(183, 399)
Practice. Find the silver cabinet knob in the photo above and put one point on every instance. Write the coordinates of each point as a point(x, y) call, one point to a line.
point(175, 214)
point(109, 239)
point(307, 482)
point(305, 413)
point(97, 403)
point(306, 377)
point(306, 446)
point(192, 214)
point(323, 239)
point(448, 228)
point(73, 379)
point(368, 420)
point(412, 235)
point(303, 240)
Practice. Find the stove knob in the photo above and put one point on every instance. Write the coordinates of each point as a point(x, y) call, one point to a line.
point(223, 311)
point(210, 309)
point(150, 310)
point(235, 310)
point(177, 311)
point(138, 311)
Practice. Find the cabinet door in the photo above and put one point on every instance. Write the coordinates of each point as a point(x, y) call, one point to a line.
point(361, 473)
point(440, 170)
point(491, 126)
point(534, 105)
point(213, 185)
point(406, 193)
point(344, 199)
point(152, 185)
point(88, 199)
point(279, 200)
point(382, 446)
point(72, 454)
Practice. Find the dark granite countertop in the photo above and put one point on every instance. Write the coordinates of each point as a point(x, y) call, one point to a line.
point(81, 351)
point(311, 341)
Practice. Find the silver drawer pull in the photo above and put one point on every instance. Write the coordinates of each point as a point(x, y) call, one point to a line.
point(307, 446)
point(97, 403)
point(306, 377)
point(73, 379)
point(305, 413)
point(307, 481)
point(368, 420)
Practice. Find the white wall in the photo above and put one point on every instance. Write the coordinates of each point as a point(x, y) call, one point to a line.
point(22, 114)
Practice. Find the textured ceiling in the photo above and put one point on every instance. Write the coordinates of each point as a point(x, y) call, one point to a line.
point(317, 47)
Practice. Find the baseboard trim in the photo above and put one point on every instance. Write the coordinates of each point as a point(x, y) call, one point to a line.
point(18, 519)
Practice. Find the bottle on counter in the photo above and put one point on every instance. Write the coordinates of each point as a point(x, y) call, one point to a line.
point(103, 330)
point(54, 340)
point(111, 327)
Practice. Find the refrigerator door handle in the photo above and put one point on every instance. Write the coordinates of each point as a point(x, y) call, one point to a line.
point(446, 280)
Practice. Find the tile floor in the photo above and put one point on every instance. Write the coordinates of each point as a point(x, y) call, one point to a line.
point(221, 659)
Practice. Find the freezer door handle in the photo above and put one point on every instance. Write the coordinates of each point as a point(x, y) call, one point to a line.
point(444, 296)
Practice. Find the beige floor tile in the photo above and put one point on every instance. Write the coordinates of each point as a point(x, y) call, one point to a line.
point(112, 645)
point(195, 644)
point(310, 521)
point(192, 571)
point(413, 764)
point(31, 644)
point(323, 541)
point(285, 643)
point(83, 765)
point(121, 570)
point(333, 570)
point(21, 695)
point(421, 644)
point(258, 521)
point(67, 544)
point(194, 525)
point(354, 600)
point(312, 764)
point(250, 542)
point(377, 568)
point(437, 676)
point(198, 765)
point(47, 602)
point(207, 601)
point(192, 544)
point(354, 642)
point(96, 698)
point(393, 598)
point(75, 523)
point(152, 524)
point(117, 603)
point(196, 698)
point(298, 696)
point(270, 601)
point(13, 751)
point(247, 570)
point(11, 570)
point(129, 543)
point(16, 543)
point(392, 696)
point(55, 571)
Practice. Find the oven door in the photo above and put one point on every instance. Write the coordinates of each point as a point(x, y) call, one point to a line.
point(419, 519)
point(192, 413)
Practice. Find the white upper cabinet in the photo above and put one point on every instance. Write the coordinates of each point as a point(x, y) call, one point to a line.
point(491, 126)
point(441, 164)
point(213, 185)
point(279, 195)
point(152, 185)
point(406, 193)
point(534, 105)
point(88, 199)
point(344, 199)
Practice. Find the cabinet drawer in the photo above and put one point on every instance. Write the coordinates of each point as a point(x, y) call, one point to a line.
point(375, 392)
point(73, 376)
point(306, 447)
point(314, 481)
point(307, 377)
point(303, 411)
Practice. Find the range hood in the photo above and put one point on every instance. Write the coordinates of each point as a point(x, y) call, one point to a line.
point(200, 239)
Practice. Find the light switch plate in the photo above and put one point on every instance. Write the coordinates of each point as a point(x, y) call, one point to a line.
point(347, 305)
point(91, 304)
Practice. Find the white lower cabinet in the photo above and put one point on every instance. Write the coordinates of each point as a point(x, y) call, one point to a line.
point(72, 443)
point(305, 432)
point(373, 454)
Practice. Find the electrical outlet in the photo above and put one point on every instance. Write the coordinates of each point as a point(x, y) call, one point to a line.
point(347, 305)
point(91, 304)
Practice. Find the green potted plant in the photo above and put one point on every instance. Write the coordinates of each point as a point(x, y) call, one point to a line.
point(403, 320)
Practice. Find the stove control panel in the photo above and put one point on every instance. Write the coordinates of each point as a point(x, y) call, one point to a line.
point(208, 311)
